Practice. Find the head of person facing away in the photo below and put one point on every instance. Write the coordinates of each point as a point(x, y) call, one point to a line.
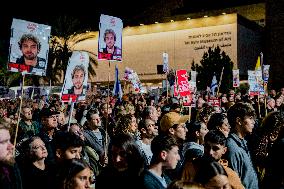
point(30, 47)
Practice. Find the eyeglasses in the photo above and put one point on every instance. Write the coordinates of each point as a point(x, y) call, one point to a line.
point(39, 146)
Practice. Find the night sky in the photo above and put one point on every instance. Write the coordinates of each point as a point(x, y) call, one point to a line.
point(45, 12)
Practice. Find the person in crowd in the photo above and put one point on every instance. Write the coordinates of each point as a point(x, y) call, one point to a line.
point(211, 174)
point(271, 106)
point(78, 76)
point(96, 136)
point(148, 131)
point(61, 120)
point(278, 102)
point(241, 118)
point(193, 147)
point(71, 116)
point(272, 93)
point(215, 148)
point(88, 153)
point(35, 172)
point(165, 156)
point(265, 151)
point(182, 184)
point(219, 121)
point(108, 122)
point(127, 124)
point(30, 47)
point(129, 108)
point(125, 166)
point(175, 105)
point(274, 176)
point(27, 127)
point(150, 112)
point(48, 131)
point(10, 177)
point(205, 113)
point(75, 174)
point(36, 110)
point(173, 124)
point(67, 146)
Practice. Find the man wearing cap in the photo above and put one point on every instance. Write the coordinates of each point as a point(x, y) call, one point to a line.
point(47, 133)
point(173, 124)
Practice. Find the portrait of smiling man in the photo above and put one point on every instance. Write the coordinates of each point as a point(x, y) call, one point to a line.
point(30, 47)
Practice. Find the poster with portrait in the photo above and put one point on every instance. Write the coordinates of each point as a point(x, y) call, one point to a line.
point(110, 38)
point(165, 62)
point(76, 78)
point(266, 73)
point(236, 78)
point(29, 46)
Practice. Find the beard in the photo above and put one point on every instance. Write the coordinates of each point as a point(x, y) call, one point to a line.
point(10, 160)
point(30, 56)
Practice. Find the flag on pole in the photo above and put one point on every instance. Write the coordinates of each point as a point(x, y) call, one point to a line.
point(117, 91)
point(214, 85)
point(165, 62)
point(258, 65)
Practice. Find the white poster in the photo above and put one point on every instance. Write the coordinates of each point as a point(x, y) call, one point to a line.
point(266, 73)
point(236, 78)
point(110, 38)
point(165, 62)
point(76, 78)
point(29, 46)
point(193, 75)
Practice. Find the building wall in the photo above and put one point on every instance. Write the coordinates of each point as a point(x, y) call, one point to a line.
point(274, 42)
point(249, 48)
point(184, 41)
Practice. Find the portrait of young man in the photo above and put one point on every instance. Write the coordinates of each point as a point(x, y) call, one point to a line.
point(110, 39)
point(78, 76)
point(30, 47)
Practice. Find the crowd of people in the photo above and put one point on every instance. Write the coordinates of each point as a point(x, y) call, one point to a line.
point(143, 141)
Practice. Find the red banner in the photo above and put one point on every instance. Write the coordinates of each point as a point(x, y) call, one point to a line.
point(182, 88)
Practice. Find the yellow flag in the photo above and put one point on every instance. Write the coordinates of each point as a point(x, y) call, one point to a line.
point(258, 66)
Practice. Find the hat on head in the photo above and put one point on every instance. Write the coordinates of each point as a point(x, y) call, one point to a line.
point(170, 119)
point(46, 112)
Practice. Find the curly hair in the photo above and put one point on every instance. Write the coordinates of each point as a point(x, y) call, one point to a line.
point(123, 124)
point(205, 113)
point(110, 31)
point(29, 37)
point(239, 110)
point(77, 68)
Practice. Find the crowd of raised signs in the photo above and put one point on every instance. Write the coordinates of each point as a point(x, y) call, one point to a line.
point(143, 141)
